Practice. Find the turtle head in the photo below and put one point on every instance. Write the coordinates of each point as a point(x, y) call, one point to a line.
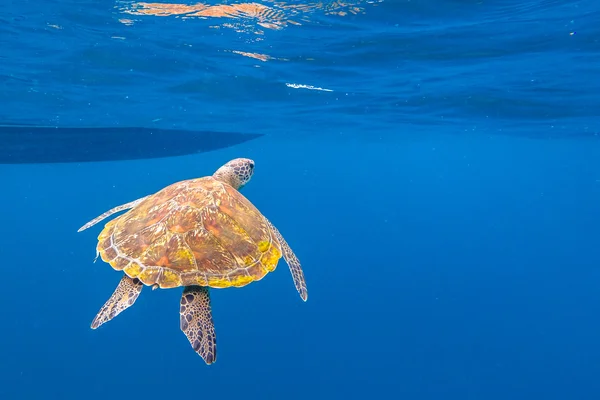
point(236, 172)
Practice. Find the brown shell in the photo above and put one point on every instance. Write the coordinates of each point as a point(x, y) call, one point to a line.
point(196, 232)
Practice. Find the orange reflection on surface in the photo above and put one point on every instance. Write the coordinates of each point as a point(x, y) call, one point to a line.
point(261, 57)
point(247, 16)
point(241, 10)
point(276, 15)
point(163, 9)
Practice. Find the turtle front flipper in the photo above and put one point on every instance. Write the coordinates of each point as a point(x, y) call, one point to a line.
point(292, 262)
point(197, 323)
point(110, 212)
point(122, 298)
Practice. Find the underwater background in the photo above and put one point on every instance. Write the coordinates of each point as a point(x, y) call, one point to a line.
point(435, 165)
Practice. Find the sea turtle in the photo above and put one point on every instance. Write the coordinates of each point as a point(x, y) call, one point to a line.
point(199, 233)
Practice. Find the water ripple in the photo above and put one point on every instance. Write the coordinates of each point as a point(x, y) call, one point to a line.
point(382, 66)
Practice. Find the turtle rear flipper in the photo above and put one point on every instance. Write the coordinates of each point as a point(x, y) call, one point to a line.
point(122, 298)
point(197, 323)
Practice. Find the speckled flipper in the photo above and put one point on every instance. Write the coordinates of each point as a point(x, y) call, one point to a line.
point(110, 212)
point(197, 323)
point(123, 297)
point(294, 264)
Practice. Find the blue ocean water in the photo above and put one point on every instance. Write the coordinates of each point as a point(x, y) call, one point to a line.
point(433, 164)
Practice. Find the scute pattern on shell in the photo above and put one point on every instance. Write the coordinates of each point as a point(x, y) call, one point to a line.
point(195, 232)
